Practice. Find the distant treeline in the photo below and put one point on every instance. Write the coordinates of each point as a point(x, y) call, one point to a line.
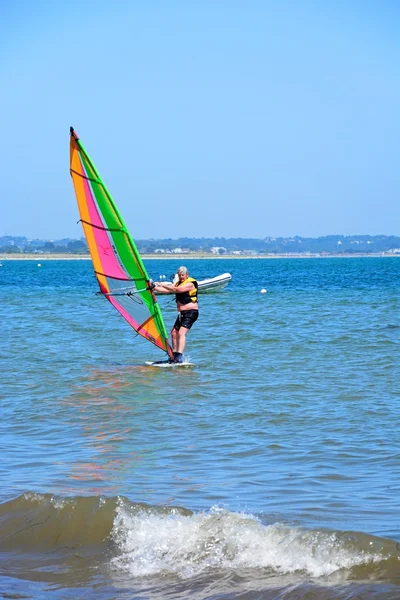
point(267, 245)
point(330, 244)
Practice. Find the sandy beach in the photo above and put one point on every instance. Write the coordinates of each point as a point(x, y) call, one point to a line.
point(193, 255)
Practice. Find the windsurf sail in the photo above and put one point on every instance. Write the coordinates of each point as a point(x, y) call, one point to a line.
point(119, 269)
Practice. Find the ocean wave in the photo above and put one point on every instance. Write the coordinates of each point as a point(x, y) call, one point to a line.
point(143, 540)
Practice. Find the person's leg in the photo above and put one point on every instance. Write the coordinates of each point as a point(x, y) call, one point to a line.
point(186, 322)
point(175, 333)
point(174, 338)
point(181, 339)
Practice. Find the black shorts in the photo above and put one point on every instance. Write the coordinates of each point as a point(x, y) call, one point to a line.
point(186, 318)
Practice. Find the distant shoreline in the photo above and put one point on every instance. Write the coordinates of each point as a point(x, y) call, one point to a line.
point(198, 255)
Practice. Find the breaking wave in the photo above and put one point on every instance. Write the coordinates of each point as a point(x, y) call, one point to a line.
point(147, 541)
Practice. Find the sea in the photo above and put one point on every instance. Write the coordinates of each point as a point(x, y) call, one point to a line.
point(269, 470)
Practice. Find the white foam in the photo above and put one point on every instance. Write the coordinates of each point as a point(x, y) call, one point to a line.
point(152, 543)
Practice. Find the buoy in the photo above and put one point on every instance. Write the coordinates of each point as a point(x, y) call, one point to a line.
point(39, 265)
point(263, 291)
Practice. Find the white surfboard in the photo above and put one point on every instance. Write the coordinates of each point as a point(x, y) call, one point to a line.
point(168, 365)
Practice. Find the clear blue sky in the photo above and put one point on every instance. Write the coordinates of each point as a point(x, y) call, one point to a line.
point(205, 118)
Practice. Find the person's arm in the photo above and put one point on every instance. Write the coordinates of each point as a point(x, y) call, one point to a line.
point(171, 288)
point(188, 287)
point(164, 288)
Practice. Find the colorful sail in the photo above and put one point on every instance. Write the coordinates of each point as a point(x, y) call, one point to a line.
point(120, 272)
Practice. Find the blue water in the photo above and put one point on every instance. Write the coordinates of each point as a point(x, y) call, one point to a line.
point(289, 422)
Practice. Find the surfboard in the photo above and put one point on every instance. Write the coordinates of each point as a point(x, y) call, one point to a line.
point(168, 365)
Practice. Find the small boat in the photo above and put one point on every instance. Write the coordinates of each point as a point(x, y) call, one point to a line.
point(214, 284)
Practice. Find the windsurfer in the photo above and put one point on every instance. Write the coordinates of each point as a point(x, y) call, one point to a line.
point(185, 290)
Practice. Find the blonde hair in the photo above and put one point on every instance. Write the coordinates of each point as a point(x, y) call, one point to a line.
point(182, 270)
